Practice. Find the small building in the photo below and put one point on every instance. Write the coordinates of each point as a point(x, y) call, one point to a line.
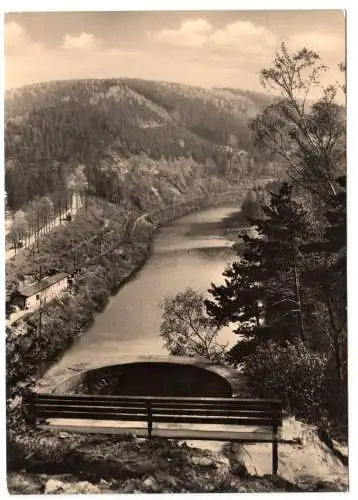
point(32, 296)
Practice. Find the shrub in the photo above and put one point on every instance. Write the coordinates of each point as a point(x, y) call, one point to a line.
point(293, 373)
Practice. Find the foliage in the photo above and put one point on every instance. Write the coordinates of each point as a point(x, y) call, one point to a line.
point(262, 292)
point(310, 138)
point(257, 198)
point(58, 134)
point(186, 329)
point(286, 294)
point(291, 372)
point(329, 280)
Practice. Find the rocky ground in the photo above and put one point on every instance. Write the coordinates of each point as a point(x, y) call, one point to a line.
point(70, 463)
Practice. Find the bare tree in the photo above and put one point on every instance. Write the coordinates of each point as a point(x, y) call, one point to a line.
point(187, 330)
point(45, 204)
point(309, 136)
point(19, 228)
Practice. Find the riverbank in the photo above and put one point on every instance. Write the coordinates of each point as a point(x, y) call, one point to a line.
point(47, 334)
point(66, 318)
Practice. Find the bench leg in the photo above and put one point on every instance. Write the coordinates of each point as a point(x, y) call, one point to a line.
point(274, 457)
point(150, 421)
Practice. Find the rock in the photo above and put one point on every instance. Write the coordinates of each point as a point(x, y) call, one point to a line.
point(15, 403)
point(21, 385)
point(313, 459)
point(63, 435)
point(23, 485)
point(84, 487)
point(129, 488)
point(245, 459)
point(103, 482)
point(222, 463)
point(149, 483)
point(52, 486)
point(203, 462)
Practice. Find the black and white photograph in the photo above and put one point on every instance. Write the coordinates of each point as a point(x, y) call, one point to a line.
point(175, 251)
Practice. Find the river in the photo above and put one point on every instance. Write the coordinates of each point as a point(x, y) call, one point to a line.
point(189, 252)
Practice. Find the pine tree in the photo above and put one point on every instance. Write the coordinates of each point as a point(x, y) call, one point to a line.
point(262, 290)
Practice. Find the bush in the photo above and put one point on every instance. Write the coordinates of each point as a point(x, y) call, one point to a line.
point(293, 373)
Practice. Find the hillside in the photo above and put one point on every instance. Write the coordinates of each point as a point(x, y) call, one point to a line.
point(52, 128)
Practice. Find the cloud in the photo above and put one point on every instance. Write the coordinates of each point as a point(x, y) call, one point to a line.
point(244, 34)
point(15, 35)
point(316, 41)
point(192, 33)
point(241, 37)
point(28, 61)
point(83, 42)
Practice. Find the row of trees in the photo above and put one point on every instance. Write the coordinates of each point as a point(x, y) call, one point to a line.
point(42, 214)
point(285, 295)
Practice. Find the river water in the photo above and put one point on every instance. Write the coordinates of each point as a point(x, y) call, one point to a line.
point(189, 252)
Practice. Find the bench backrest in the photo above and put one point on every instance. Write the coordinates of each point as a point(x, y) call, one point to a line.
point(228, 411)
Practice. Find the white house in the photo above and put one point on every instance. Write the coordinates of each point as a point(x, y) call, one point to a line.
point(31, 297)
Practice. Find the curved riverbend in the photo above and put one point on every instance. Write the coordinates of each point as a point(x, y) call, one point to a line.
point(189, 252)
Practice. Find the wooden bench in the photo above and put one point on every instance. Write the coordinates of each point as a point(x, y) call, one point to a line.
point(263, 414)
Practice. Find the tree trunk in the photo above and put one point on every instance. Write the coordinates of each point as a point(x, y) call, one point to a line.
point(338, 359)
point(298, 298)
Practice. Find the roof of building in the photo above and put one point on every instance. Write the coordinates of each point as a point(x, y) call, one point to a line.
point(41, 285)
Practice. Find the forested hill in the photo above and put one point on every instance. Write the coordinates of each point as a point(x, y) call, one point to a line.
point(51, 128)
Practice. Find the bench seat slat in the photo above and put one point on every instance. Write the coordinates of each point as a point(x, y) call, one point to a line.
point(184, 400)
point(96, 429)
point(155, 403)
point(116, 415)
point(157, 410)
point(168, 408)
point(85, 408)
point(75, 414)
point(187, 419)
point(244, 437)
point(265, 437)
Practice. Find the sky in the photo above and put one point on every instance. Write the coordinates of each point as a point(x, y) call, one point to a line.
point(223, 49)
